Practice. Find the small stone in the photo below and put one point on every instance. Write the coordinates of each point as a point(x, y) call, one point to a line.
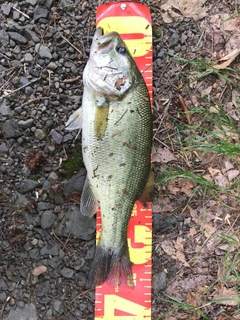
point(43, 51)
point(4, 38)
point(18, 38)
point(31, 2)
point(78, 225)
point(40, 13)
point(49, 250)
point(53, 176)
point(160, 281)
point(28, 57)
point(57, 305)
point(10, 129)
point(34, 254)
point(6, 9)
point(25, 123)
point(42, 289)
point(67, 272)
point(47, 219)
point(28, 185)
point(5, 109)
point(39, 134)
point(57, 137)
point(52, 66)
point(28, 90)
point(28, 312)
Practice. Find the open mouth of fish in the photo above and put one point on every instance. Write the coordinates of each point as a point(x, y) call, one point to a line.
point(103, 43)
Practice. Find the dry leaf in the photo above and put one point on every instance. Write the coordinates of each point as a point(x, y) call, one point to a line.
point(168, 247)
point(227, 297)
point(232, 174)
point(192, 232)
point(209, 229)
point(227, 60)
point(206, 91)
point(221, 181)
point(189, 8)
point(163, 155)
point(39, 270)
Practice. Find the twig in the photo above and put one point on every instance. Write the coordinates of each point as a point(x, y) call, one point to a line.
point(80, 295)
point(185, 108)
point(18, 89)
point(36, 99)
point(24, 14)
point(71, 44)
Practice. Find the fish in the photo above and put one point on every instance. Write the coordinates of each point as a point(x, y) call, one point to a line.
point(116, 123)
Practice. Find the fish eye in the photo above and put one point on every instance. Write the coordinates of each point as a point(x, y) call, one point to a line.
point(121, 50)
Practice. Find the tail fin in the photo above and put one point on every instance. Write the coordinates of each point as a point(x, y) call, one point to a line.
point(111, 266)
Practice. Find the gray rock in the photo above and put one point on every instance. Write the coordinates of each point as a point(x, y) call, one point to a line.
point(3, 285)
point(54, 262)
point(160, 281)
point(31, 2)
point(6, 9)
point(4, 38)
point(28, 57)
point(10, 129)
point(19, 199)
point(18, 38)
point(26, 123)
point(57, 306)
point(80, 279)
point(40, 134)
point(47, 219)
point(57, 137)
point(174, 39)
point(30, 34)
point(52, 66)
point(42, 289)
point(3, 148)
point(5, 109)
point(28, 185)
point(28, 90)
point(29, 312)
point(31, 219)
point(49, 250)
point(76, 183)
point(67, 272)
point(43, 206)
point(43, 51)
point(40, 13)
point(53, 176)
point(3, 296)
point(34, 254)
point(76, 224)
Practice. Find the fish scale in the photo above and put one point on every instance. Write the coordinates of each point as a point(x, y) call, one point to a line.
point(119, 164)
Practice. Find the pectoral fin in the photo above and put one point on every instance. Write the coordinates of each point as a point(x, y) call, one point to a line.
point(75, 120)
point(88, 205)
point(101, 117)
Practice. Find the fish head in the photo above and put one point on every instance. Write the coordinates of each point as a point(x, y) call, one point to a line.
point(111, 69)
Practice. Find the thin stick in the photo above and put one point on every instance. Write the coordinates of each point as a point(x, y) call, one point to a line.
point(71, 44)
point(24, 14)
point(18, 89)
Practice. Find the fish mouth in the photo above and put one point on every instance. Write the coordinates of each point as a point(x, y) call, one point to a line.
point(103, 43)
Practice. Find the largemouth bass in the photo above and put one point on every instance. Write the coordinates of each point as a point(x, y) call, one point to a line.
point(116, 122)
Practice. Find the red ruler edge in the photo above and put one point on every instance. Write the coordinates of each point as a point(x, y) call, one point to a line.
point(132, 303)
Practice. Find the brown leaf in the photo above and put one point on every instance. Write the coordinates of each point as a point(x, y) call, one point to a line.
point(227, 297)
point(163, 155)
point(227, 60)
point(189, 8)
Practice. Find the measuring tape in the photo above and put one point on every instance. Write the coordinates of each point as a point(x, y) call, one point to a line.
point(126, 302)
